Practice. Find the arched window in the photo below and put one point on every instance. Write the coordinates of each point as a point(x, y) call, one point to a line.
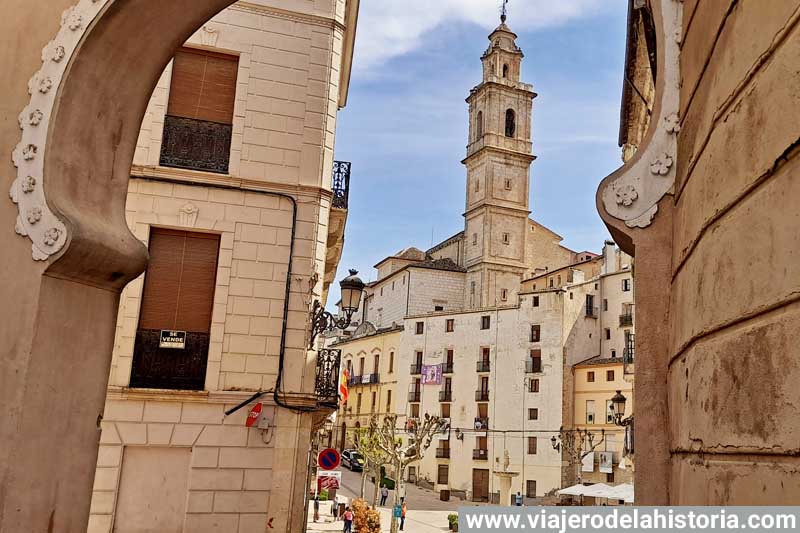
point(479, 126)
point(511, 123)
point(505, 70)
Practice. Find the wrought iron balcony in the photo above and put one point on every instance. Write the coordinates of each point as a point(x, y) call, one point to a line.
point(355, 380)
point(447, 368)
point(414, 395)
point(481, 423)
point(327, 380)
point(482, 395)
point(533, 366)
point(483, 365)
point(366, 379)
point(341, 183)
point(592, 312)
point(443, 453)
point(480, 455)
point(196, 144)
point(626, 320)
point(416, 369)
point(446, 395)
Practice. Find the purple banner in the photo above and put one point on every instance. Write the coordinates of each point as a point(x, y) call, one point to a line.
point(431, 374)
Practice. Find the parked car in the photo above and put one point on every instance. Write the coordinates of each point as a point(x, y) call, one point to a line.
point(353, 460)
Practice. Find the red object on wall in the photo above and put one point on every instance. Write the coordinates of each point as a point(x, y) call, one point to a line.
point(255, 414)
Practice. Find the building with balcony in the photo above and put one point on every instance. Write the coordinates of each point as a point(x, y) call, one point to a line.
point(235, 192)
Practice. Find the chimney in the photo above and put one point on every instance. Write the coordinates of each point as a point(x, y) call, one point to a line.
point(609, 258)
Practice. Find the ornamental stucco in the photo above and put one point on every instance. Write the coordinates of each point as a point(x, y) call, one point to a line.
point(634, 194)
point(47, 233)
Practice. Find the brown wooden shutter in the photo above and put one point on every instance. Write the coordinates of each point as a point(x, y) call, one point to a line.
point(179, 285)
point(203, 86)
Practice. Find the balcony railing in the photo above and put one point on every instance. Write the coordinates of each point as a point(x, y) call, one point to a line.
point(625, 320)
point(630, 348)
point(341, 183)
point(443, 453)
point(366, 379)
point(480, 455)
point(196, 144)
point(483, 365)
point(481, 423)
point(482, 395)
point(414, 395)
point(416, 369)
point(592, 312)
point(446, 395)
point(327, 379)
point(447, 368)
point(533, 366)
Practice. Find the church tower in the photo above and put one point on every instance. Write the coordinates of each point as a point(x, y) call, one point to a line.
point(498, 175)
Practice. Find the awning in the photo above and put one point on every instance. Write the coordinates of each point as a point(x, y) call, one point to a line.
point(623, 491)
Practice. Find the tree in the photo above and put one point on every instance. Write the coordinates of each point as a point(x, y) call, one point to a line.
point(420, 435)
point(366, 443)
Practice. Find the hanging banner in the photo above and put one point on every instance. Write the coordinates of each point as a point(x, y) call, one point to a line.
point(587, 463)
point(607, 462)
point(431, 374)
point(331, 479)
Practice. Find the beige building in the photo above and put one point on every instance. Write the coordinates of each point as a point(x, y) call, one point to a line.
point(235, 191)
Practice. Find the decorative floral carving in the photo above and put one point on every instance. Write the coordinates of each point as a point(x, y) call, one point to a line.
point(51, 236)
point(35, 117)
point(34, 215)
point(29, 152)
point(188, 214)
point(58, 53)
point(672, 123)
point(19, 227)
point(28, 184)
point(661, 165)
point(72, 19)
point(45, 84)
point(626, 195)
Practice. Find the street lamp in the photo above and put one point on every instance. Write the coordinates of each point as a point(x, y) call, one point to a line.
point(322, 321)
point(618, 407)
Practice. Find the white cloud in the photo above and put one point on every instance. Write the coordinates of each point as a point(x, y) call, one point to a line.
point(390, 28)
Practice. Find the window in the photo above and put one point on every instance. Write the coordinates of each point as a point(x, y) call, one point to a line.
point(505, 70)
point(441, 477)
point(414, 410)
point(506, 238)
point(530, 488)
point(590, 377)
point(511, 123)
point(508, 184)
point(376, 365)
point(536, 301)
point(536, 331)
point(558, 282)
point(590, 305)
point(474, 239)
point(199, 120)
point(479, 126)
point(361, 367)
point(533, 385)
point(404, 280)
point(391, 362)
point(571, 296)
point(389, 401)
point(533, 413)
point(626, 285)
point(358, 404)
point(393, 285)
point(609, 375)
point(536, 361)
point(449, 325)
point(608, 334)
point(449, 359)
point(551, 282)
point(445, 410)
point(420, 328)
point(374, 405)
point(437, 308)
point(486, 322)
point(609, 412)
point(178, 295)
point(531, 445)
point(504, 294)
point(381, 291)
point(590, 411)
point(605, 304)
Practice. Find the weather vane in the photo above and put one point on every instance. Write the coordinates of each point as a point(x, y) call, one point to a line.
point(504, 12)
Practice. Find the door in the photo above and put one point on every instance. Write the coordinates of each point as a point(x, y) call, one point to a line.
point(480, 485)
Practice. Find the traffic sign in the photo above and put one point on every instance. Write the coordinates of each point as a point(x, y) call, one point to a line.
point(329, 480)
point(328, 459)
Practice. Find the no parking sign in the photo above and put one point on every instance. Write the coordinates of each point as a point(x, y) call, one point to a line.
point(328, 459)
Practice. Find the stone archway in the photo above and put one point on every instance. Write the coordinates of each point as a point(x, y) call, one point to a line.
point(58, 325)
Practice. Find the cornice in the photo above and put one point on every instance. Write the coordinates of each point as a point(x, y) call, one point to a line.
point(318, 20)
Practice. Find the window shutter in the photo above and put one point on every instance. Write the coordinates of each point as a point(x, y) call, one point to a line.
point(203, 86)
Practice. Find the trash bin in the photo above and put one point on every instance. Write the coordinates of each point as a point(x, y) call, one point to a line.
point(444, 495)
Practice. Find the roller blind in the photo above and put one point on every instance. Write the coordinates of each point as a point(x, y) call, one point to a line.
point(179, 284)
point(203, 86)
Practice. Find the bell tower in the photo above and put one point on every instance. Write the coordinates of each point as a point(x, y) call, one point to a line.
point(499, 155)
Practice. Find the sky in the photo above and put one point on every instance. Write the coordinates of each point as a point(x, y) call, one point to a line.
point(406, 122)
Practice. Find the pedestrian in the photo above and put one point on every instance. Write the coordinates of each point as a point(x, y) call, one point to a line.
point(384, 494)
point(316, 508)
point(348, 521)
point(403, 509)
point(518, 499)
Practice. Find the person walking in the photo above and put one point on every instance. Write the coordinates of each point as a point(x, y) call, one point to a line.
point(384, 494)
point(403, 510)
point(348, 521)
point(518, 499)
point(316, 508)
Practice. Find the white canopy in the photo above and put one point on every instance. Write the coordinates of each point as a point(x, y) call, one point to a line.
point(600, 490)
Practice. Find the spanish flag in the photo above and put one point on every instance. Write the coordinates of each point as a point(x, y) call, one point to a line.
point(343, 380)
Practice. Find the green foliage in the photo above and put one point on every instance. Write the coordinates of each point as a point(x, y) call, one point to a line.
point(452, 519)
point(389, 482)
point(323, 495)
